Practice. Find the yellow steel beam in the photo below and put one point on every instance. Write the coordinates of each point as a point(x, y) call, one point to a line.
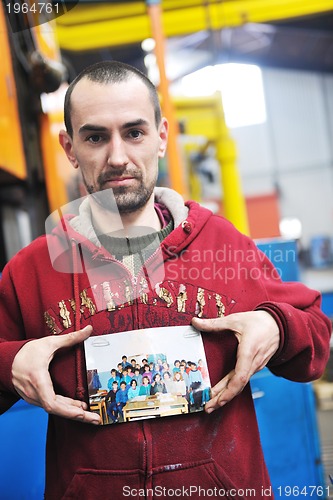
point(204, 118)
point(114, 24)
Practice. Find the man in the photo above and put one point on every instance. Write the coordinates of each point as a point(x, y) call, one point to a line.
point(195, 382)
point(115, 136)
point(125, 363)
point(112, 408)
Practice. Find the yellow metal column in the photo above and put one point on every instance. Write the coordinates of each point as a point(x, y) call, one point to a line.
point(233, 198)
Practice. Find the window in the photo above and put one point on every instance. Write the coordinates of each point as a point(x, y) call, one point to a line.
point(241, 88)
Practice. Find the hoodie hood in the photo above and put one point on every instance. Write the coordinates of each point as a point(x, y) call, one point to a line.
point(188, 220)
point(165, 196)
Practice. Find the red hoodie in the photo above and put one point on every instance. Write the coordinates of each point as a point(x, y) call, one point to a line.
point(222, 272)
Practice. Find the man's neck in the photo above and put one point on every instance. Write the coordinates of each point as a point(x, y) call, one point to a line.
point(145, 217)
point(106, 222)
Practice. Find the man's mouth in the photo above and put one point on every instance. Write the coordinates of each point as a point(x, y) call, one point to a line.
point(119, 181)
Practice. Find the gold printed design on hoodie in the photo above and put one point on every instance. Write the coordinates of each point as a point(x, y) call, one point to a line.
point(200, 302)
point(164, 294)
point(220, 306)
point(64, 314)
point(50, 323)
point(181, 299)
point(87, 302)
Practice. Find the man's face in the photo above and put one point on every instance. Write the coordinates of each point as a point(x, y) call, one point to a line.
point(115, 142)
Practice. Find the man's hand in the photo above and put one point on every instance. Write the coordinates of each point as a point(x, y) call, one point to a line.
point(258, 336)
point(32, 381)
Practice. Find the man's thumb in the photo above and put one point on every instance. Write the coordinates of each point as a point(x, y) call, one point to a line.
point(73, 338)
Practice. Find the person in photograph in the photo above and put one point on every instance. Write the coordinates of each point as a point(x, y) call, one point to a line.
point(124, 362)
point(111, 403)
point(145, 387)
point(168, 381)
point(134, 389)
point(165, 367)
point(121, 397)
point(176, 366)
point(157, 369)
point(160, 364)
point(195, 386)
point(137, 376)
point(126, 377)
point(182, 370)
point(144, 362)
point(120, 371)
point(147, 373)
point(114, 378)
point(133, 364)
point(202, 367)
point(179, 386)
point(56, 292)
point(157, 385)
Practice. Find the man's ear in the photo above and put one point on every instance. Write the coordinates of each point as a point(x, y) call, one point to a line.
point(163, 133)
point(67, 144)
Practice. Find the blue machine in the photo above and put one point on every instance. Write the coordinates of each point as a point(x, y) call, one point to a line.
point(286, 411)
point(22, 438)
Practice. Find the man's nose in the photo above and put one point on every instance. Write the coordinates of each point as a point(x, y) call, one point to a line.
point(117, 153)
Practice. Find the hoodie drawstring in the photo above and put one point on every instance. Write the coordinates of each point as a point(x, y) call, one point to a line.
point(80, 391)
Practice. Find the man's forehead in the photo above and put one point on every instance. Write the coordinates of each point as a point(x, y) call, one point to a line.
point(131, 98)
point(90, 88)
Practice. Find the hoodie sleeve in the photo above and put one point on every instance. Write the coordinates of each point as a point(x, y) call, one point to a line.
point(305, 331)
point(11, 338)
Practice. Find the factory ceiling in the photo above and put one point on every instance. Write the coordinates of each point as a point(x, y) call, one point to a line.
point(304, 43)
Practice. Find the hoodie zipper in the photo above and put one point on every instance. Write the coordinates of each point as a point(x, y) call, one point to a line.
point(80, 392)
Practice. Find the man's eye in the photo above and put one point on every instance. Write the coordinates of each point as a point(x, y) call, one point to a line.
point(94, 138)
point(135, 134)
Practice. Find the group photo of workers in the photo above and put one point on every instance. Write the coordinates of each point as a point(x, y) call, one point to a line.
point(155, 375)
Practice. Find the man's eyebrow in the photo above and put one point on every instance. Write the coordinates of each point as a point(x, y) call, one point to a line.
point(92, 128)
point(135, 123)
point(89, 127)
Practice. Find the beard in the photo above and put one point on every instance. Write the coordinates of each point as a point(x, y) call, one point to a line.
point(123, 199)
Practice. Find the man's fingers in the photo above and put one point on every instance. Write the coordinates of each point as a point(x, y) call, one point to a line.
point(231, 322)
point(72, 338)
point(32, 381)
point(210, 324)
point(225, 390)
point(217, 392)
point(73, 409)
point(64, 407)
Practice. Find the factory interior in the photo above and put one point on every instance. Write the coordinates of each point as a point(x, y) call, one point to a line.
point(247, 89)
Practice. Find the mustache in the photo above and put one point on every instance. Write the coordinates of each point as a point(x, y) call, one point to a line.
point(118, 173)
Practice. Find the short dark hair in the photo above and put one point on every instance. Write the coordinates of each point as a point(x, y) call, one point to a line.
point(107, 72)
